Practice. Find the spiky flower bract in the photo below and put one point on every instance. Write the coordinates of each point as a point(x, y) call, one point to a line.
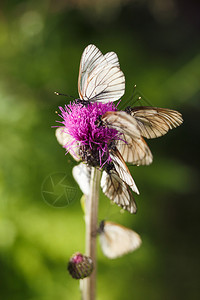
point(80, 266)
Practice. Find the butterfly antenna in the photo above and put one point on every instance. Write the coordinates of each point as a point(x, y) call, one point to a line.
point(60, 94)
point(139, 99)
point(144, 99)
point(131, 97)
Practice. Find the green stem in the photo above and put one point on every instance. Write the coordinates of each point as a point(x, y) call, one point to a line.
point(91, 214)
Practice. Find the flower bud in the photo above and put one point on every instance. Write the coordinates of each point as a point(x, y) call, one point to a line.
point(80, 266)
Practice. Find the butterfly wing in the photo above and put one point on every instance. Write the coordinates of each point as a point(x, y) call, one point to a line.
point(90, 60)
point(154, 122)
point(132, 146)
point(134, 150)
point(111, 58)
point(82, 174)
point(122, 122)
point(117, 240)
point(122, 169)
point(100, 78)
point(65, 139)
point(117, 191)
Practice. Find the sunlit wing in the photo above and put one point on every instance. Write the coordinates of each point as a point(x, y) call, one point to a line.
point(122, 169)
point(122, 122)
point(134, 150)
point(90, 60)
point(117, 191)
point(154, 122)
point(82, 174)
point(112, 59)
point(117, 240)
point(65, 139)
point(100, 78)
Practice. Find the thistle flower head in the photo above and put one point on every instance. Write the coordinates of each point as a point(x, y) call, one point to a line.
point(80, 266)
point(81, 123)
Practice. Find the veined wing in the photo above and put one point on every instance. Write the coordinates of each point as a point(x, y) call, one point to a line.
point(90, 60)
point(121, 121)
point(122, 169)
point(134, 150)
point(153, 121)
point(112, 58)
point(118, 191)
point(100, 78)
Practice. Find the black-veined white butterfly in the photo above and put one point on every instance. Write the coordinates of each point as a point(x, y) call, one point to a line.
point(138, 122)
point(112, 185)
point(100, 77)
point(122, 169)
point(134, 150)
point(154, 122)
point(132, 146)
point(117, 240)
point(117, 190)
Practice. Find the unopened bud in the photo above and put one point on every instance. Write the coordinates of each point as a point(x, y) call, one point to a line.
point(80, 266)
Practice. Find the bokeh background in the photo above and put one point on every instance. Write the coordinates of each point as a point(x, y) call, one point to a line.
point(41, 43)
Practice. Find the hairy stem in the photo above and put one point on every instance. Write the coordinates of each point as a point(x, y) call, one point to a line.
point(89, 284)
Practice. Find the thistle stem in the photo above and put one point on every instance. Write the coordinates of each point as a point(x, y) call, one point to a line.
point(89, 283)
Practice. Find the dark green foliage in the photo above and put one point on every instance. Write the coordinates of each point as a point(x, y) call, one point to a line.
point(41, 43)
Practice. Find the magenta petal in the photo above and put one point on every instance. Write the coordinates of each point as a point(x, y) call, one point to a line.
point(80, 123)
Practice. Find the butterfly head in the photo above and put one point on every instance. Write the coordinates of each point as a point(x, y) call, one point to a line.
point(83, 102)
point(99, 121)
point(101, 227)
point(128, 110)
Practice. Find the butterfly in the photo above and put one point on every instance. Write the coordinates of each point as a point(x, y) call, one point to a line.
point(136, 123)
point(131, 146)
point(100, 78)
point(154, 122)
point(134, 150)
point(122, 169)
point(117, 190)
point(117, 240)
point(82, 175)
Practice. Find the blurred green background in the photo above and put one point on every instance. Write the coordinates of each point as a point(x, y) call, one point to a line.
point(41, 43)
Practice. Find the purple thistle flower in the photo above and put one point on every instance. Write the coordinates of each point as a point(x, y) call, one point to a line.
point(81, 124)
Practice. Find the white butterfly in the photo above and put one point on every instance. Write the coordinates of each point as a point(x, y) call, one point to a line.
point(118, 190)
point(132, 146)
point(134, 150)
point(82, 174)
point(100, 77)
point(122, 169)
point(138, 122)
point(154, 122)
point(117, 240)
